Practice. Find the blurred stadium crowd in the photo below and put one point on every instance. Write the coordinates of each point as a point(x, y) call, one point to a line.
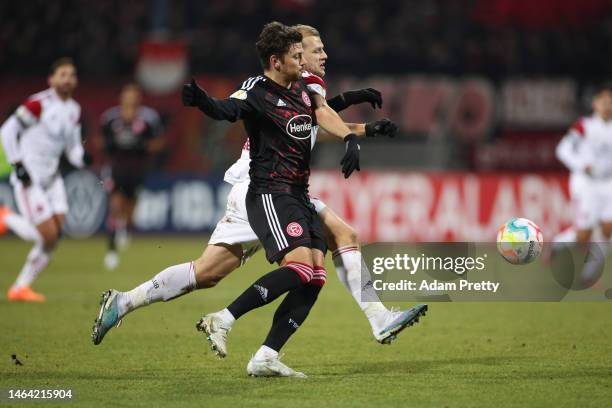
point(479, 88)
point(421, 54)
point(456, 37)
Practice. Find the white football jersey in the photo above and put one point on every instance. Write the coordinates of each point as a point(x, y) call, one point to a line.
point(39, 131)
point(239, 171)
point(588, 143)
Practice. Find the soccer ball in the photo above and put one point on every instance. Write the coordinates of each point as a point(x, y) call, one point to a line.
point(519, 241)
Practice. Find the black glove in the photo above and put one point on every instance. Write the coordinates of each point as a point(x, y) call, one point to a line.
point(369, 95)
point(87, 159)
point(22, 174)
point(192, 94)
point(346, 99)
point(379, 128)
point(350, 161)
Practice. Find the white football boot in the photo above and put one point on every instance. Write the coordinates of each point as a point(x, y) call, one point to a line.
point(397, 321)
point(216, 332)
point(271, 367)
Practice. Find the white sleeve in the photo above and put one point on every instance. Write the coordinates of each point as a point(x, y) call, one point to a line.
point(74, 149)
point(569, 152)
point(9, 132)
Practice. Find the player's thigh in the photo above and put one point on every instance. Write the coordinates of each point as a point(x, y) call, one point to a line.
point(586, 210)
point(300, 254)
point(337, 231)
point(282, 225)
point(117, 202)
point(49, 231)
point(59, 219)
point(56, 196)
point(605, 199)
point(127, 183)
point(216, 262)
point(32, 203)
point(234, 229)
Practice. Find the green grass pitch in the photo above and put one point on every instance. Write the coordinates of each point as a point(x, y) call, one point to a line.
point(459, 355)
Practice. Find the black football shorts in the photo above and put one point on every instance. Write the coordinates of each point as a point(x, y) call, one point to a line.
point(283, 222)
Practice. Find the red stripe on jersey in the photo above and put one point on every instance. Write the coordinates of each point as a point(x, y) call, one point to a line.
point(578, 127)
point(313, 79)
point(246, 145)
point(34, 107)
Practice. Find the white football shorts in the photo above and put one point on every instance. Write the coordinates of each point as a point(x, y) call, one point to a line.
point(38, 203)
point(234, 227)
point(591, 200)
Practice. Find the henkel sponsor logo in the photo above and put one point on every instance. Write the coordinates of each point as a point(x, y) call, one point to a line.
point(299, 127)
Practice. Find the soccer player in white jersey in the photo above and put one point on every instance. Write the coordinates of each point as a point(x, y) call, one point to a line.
point(586, 150)
point(46, 125)
point(233, 241)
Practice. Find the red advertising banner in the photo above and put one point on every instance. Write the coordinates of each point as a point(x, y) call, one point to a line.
point(406, 206)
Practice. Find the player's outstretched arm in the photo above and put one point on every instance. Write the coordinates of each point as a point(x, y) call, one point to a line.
point(330, 121)
point(378, 128)
point(219, 109)
point(349, 98)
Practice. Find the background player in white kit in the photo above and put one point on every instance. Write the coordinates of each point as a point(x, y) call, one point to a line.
point(34, 138)
point(234, 241)
point(586, 150)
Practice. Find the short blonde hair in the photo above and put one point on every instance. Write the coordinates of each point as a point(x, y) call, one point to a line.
point(306, 30)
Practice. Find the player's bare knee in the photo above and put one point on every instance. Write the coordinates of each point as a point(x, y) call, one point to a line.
point(583, 236)
point(606, 230)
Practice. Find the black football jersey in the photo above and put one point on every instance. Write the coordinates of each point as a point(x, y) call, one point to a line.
point(279, 122)
point(129, 138)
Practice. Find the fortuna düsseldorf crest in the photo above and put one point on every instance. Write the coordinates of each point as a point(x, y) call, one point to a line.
point(294, 229)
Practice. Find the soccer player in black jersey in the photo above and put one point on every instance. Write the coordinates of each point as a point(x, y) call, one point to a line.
point(234, 240)
point(279, 112)
point(131, 134)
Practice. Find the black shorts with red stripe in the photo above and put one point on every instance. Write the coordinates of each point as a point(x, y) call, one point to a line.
point(283, 222)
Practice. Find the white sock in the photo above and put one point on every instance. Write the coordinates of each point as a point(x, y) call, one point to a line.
point(596, 258)
point(35, 262)
point(227, 317)
point(22, 227)
point(169, 284)
point(265, 353)
point(352, 271)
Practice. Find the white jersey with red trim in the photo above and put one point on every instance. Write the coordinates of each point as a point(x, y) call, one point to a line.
point(39, 131)
point(239, 171)
point(588, 143)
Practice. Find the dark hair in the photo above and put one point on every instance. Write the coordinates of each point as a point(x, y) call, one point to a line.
point(275, 39)
point(60, 62)
point(603, 87)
